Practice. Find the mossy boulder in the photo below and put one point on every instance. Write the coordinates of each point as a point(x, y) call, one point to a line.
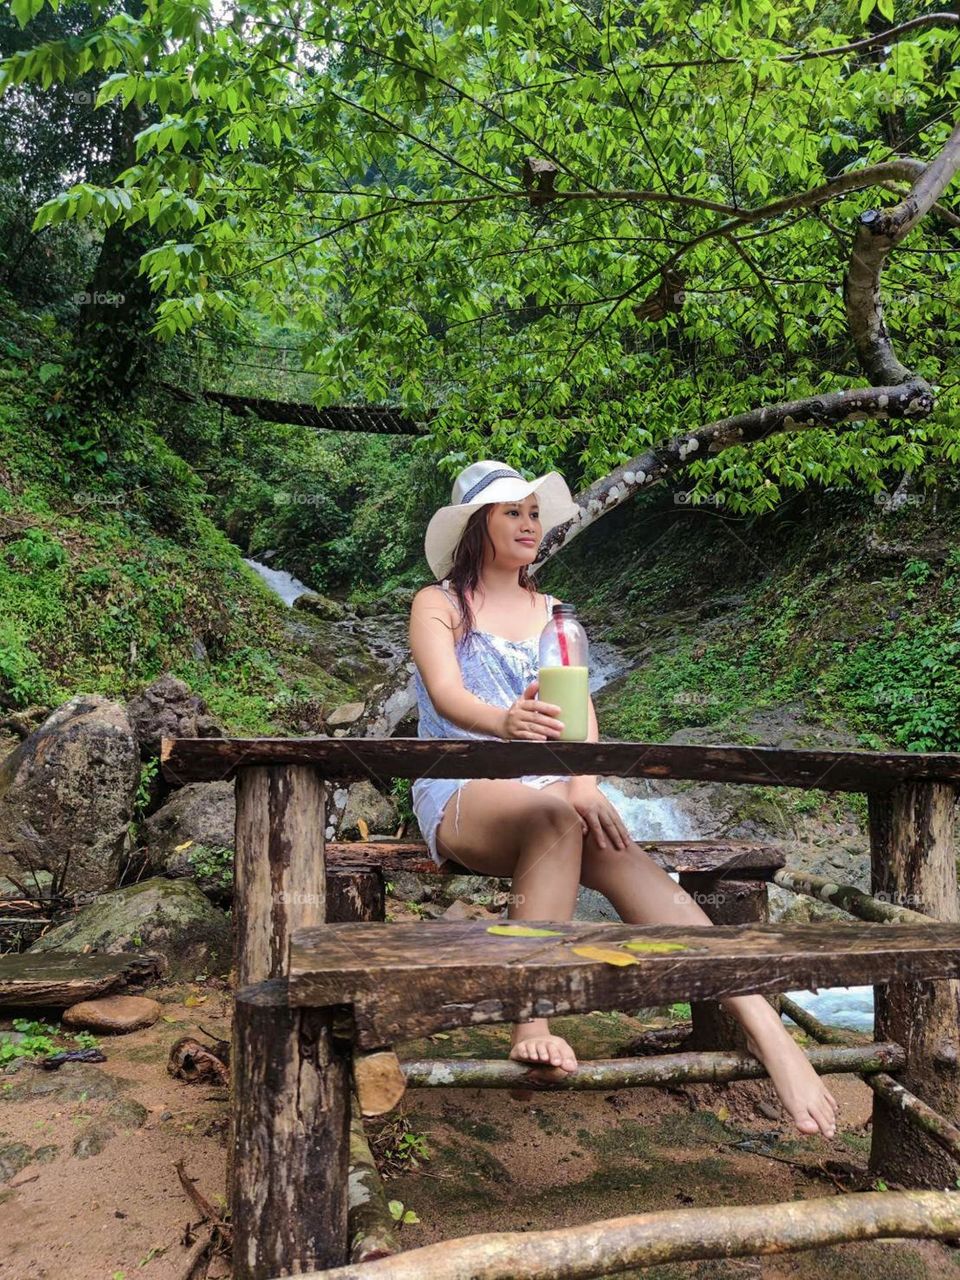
point(320, 606)
point(67, 794)
point(170, 917)
point(193, 836)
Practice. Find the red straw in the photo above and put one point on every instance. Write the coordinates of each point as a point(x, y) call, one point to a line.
point(561, 637)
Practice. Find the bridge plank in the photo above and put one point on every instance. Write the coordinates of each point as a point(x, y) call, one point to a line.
point(406, 980)
point(344, 759)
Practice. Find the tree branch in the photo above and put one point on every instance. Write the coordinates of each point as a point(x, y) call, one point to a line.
point(880, 231)
point(912, 399)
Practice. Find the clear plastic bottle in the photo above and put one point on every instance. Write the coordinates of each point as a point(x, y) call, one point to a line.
point(564, 670)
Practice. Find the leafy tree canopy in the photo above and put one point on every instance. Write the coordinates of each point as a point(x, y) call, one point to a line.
point(568, 230)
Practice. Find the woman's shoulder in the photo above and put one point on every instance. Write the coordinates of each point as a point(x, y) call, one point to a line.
point(434, 599)
point(433, 592)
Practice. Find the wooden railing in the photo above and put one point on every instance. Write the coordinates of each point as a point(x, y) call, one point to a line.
point(325, 990)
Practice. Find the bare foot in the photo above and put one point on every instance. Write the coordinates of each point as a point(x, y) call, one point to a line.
point(811, 1105)
point(534, 1044)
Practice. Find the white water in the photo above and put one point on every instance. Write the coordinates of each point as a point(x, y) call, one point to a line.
point(658, 818)
point(284, 584)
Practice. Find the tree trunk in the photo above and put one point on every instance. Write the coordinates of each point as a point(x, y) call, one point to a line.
point(913, 865)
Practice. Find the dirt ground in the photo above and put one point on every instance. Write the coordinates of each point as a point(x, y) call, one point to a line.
point(88, 1187)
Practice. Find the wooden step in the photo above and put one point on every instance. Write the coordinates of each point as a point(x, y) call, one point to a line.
point(737, 859)
point(57, 979)
point(411, 979)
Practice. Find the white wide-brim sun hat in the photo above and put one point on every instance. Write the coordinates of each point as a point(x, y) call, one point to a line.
point(485, 482)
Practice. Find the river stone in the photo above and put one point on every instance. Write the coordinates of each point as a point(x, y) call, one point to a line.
point(170, 917)
point(69, 1083)
point(14, 1156)
point(168, 709)
point(365, 801)
point(38, 885)
point(127, 1113)
point(346, 713)
point(67, 795)
point(201, 815)
point(321, 606)
point(112, 1013)
point(93, 1139)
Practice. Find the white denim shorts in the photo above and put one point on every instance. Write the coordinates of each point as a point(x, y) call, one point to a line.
point(429, 798)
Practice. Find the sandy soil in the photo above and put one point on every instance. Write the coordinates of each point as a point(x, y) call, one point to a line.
point(490, 1161)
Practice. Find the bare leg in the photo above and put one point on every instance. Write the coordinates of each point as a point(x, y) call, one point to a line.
point(506, 828)
point(643, 893)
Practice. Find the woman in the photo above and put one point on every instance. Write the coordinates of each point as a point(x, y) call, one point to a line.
point(473, 639)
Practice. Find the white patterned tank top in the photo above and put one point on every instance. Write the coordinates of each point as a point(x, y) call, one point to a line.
point(496, 670)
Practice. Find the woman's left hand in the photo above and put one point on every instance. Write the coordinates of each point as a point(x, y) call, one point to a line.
point(599, 817)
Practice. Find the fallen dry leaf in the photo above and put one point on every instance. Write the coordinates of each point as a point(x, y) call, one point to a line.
point(606, 954)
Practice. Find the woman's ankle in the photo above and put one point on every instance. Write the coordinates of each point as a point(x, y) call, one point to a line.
point(532, 1027)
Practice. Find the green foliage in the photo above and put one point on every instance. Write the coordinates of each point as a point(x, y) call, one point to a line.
point(400, 792)
point(40, 1040)
point(111, 575)
point(343, 513)
point(212, 863)
point(376, 204)
point(400, 1214)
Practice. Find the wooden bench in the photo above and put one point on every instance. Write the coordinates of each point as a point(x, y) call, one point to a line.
point(318, 1001)
point(403, 981)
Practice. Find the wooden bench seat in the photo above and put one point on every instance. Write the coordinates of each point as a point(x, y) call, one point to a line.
point(736, 859)
point(411, 979)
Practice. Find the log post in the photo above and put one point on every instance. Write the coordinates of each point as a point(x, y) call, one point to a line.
point(279, 872)
point(913, 864)
point(355, 893)
point(725, 902)
point(292, 1124)
point(289, 1149)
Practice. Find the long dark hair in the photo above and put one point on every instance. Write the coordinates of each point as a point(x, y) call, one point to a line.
point(468, 561)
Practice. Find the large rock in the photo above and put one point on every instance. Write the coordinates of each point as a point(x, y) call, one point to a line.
point(193, 835)
point(170, 917)
point(67, 795)
point(321, 606)
point(365, 801)
point(168, 709)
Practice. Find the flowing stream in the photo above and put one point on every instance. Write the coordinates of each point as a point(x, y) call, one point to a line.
point(647, 816)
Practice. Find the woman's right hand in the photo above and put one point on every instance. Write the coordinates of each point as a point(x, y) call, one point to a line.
point(528, 718)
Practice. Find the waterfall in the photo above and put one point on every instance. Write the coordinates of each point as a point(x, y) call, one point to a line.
point(284, 584)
